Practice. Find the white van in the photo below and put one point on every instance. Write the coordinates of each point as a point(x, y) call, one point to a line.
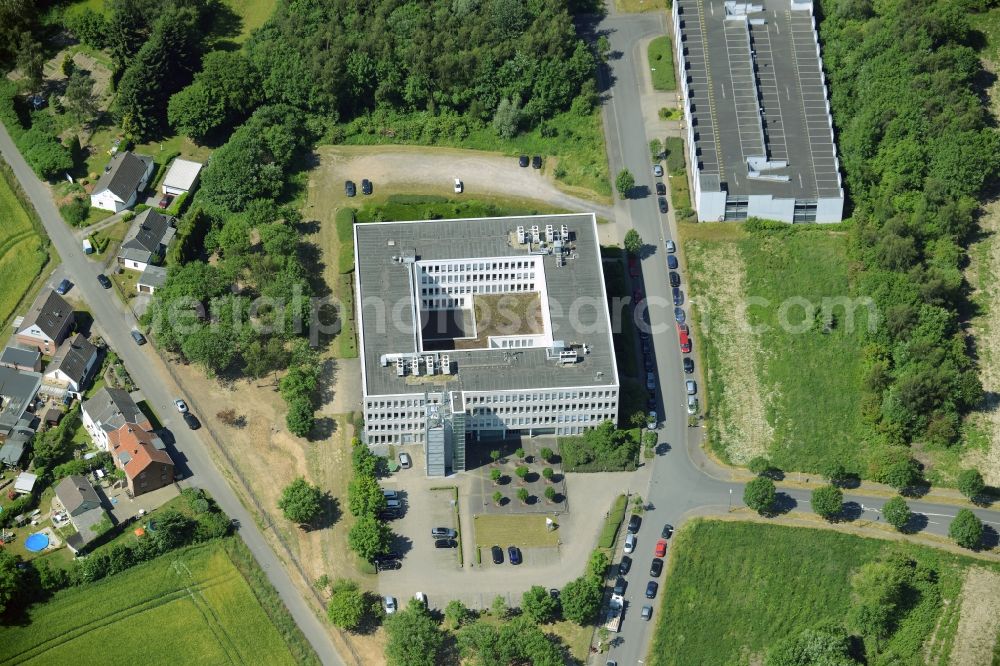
point(87, 247)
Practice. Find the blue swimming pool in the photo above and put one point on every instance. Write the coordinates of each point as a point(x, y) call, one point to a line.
point(36, 542)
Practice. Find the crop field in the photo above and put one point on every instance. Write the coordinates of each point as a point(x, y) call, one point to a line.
point(782, 344)
point(191, 605)
point(23, 250)
point(734, 589)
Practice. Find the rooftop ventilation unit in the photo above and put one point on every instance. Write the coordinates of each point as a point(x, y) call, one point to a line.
point(445, 364)
point(415, 366)
point(564, 233)
point(520, 234)
point(400, 367)
point(429, 362)
point(568, 356)
point(549, 233)
point(535, 237)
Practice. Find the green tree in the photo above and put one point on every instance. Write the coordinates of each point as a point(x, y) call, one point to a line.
point(127, 29)
point(656, 150)
point(903, 474)
point(547, 473)
point(223, 93)
point(346, 607)
point(364, 496)
point(80, 100)
point(633, 245)
point(624, 182)
point(827, 501)
point(760, 495)
point(47, 157)
point(581, 598)
point(821, 646)
point(523, 495)
point(496, 475)
point(897, 512)
point(836, 473)
point(507, 119)
point(759, 464)
point(966, 529)
point(546, 454)
point(494, 455)
point(364, 462)
point(603, 47)
point(10, 578)
point(971, 484)
point(497, 497)
point(539, 605)
point(499, 608)
point(550, 493)
point(521, 471)
point(413, 637)
point(301, 502)
point(301, 417)
point(638, 419)
point(369, 538)
point(456, 614)
point(30, 61)
point(519, 453)
point(597, 565)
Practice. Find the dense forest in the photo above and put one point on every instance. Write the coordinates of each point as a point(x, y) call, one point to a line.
point(918, 150)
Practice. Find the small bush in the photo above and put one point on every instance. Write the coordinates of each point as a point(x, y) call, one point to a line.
point(76, 211)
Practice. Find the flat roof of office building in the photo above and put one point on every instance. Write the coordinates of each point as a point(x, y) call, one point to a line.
point(786, 105)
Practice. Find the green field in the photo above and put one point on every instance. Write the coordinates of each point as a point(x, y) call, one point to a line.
point(807, 377)
point(252, 13)
point(191, 605)
point(734, 589)
point(23, 249)
point(661, 64)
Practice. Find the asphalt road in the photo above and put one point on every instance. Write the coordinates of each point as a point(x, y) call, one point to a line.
point(115, 323)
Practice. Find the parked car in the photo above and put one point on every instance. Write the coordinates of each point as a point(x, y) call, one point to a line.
point(405, 461)
point(390, 494)
point(446, 543)
point(393, 505)
point(656, 568)
point(651, 589)
point(685, 341)
point(349, 188)
point(166, 201)
point(678, 295)
point(662, 202)
point(63, 287)
point(390, 514)
point(661, 548)
point(443, 532)
point(139, 338)
point(661, 189)
point(390, 605)
point(523, 160)
point(650, 381)
point(625, 565)
point(658, 171)
point(388, 565)
point(647, 361)
point(691, 387)
point(651, 403)
point(497, 551)
point(366, 186)
point(536, 162)
point(191, 420)
point(104, 281)
point(688, 365)
point(458, 186)
point(652, 420)
point(671, 246)
point(667, 531)
point(514, 555)
point(672, 262)
point(675, 279)
point(620, 585)
point(679, 315)
point(630, 540)
point(647, 613)
point(634, 523)
point(422, 598)
point(646, 347)
point(692, 405)
point(180, 405)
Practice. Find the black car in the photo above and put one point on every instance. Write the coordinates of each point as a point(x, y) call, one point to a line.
point(678, 296)
point(536, 162)
point(620, 585)
point(672, 262)
point(661, 189)
point(634, 522)
point(523, 160)
point(349, 188)
point(366, 186)
point(656, 568)
point(391, 555)
point(497, 550)
point(675, 279)
point(390, 514)
point(443, 532)
point(104, 281)
point(625, 565)
point(662, 201)
point(688, 365)
point(446, 543)
point(514, 554)
point(63, 287)
point(667, 532)
point(650, 404)
point(191, 420)
point(388, 565)
point(139, 338)
point(651, 589)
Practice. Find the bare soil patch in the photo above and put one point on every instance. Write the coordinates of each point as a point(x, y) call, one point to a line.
point(979, 623)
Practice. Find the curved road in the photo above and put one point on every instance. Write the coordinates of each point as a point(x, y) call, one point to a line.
point(115, 322)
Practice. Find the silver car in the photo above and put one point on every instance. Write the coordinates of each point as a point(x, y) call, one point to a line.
point(691, 387)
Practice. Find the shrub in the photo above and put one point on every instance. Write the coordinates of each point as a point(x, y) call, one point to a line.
point(971, 484)
point(827, 501)
point(760, 495)
point(76, 211)
point(966, 529)
point(897, 512)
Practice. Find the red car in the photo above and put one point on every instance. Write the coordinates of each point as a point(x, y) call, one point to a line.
point(661, 548)
point(633, 267)
point(685, 342)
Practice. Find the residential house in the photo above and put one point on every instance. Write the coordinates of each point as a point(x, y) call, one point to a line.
point(143, 457)
point(48, 322)
point(25, 483)
point(123, 179)
point(146, 241)
point(72, 364)
point(181, 177)
point(18, 390)
point(109, 410)
point(151, 279)
point(14, 451)
point(28, 359)
point(83, 505)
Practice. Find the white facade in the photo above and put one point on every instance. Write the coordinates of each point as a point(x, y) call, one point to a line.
point(106, 200)
point(181, 177)
point(132, 264)
point(94, 429)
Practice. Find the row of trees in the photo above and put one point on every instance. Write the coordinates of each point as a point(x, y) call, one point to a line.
point(917, 151)
point(370, 536)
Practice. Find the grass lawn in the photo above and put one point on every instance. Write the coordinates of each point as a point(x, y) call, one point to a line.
point(23, 249)
point(613, 522)
point(734, 589)
point(252, 13)
point(109, 238)
point(526, 531)
point(808, 379)
point(125, 284)
point(661, 64)
point(197, 599)
point(640, 5)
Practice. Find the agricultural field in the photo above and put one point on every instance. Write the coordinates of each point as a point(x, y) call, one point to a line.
point(195, 601)
point(781, 351)
point(24, 250)
point(736, 589)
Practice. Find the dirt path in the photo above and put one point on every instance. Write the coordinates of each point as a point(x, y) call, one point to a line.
point(979, 621)
point(429, 170)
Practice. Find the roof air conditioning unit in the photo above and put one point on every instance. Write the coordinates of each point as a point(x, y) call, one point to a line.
point(415, 366)
point(520, 234)
point(429, 362)
point(445, 364)
point(548, 233)
point(534, 234)
point(400, 367)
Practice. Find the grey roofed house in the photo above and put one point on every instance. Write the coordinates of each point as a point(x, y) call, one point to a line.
point(147, 238)
point(17, 391)
point(15, 446)
point(77, 495)
point(113, 408)
point(21, 358)
point(124, 175)
point(49, 314)
point(152, 278)
point(75, 358)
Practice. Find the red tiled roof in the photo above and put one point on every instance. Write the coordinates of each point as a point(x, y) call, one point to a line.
point(139, 445)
